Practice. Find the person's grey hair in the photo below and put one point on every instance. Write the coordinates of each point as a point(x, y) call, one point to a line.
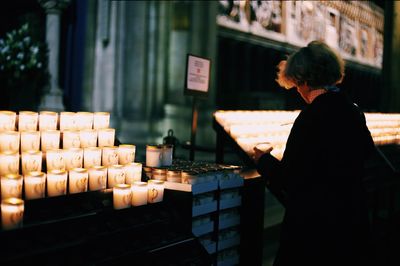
point(316, 65)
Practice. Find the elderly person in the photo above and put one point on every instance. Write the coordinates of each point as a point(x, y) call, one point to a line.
point(326, 219)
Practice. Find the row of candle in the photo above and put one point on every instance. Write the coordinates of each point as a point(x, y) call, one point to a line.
point(66, 159)
point(46, 120)
point(53, 139)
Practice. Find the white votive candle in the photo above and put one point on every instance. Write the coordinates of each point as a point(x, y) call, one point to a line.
point(31, 161)
point(155, 191)
point(30, 140)
point(55, 160)
point(12, 213)
point(106, 137)
point(73, 158)
point(97, 178)
point(109, 156)
point(122, 196)
point(27, 120)
point(126, 153)
point(133, 172)
point(116, 175)
point(78, 180)
point(56, 183)
point(84, 120)
point(154, 155)
point(48, 120)
point(167, 154)
point(139, 193)
point(101, 120)
point(34, 185)
point(9, 141)
point(91, 157)
point(9, 163)
point(7, 120)
point(71, 139)
point(88, 138)
point(11, 186)
point(67, 121)
point(50, 140)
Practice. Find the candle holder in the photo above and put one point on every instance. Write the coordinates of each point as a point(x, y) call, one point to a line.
point(122, 196)
point(139, 193)
point(97, 178)
point(55, 160)
point(67, 121)
point(126, 153)
point(48, 120)
point(9, 163)
point(50, 140)
point(9, 141)
point(106, 137)
point(88, 138)
point(78, 180)
point(101, 120)
point(110, 156)
point(11, 186)
point(159, 174)
point(116, 175)
point(30, 141)
point(167, 152)
point(133, 172)
point(154, 154)
point(155, 192)
point(71, 139)
point(56, 183)
point(27, 121)
point(91, 157)
point(174, 176)
point(84, 120)
point(73, 158)
point(31, 161)
point(7, 120)
point(35, 185)
point(12, 213)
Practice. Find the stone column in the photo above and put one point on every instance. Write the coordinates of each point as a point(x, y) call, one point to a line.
point(53, 100)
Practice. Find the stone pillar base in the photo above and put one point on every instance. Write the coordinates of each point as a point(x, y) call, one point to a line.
point(52, 101)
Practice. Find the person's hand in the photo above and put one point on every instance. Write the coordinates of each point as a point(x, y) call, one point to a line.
point(261, 149)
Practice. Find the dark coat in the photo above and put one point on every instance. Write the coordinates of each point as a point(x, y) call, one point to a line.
point(326, 219)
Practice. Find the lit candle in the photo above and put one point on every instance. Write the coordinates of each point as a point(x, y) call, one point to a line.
point(9, 163)
point(78, 180)
point(84, 120)
point(116, 175)
point(139, 193)
point(11, 186)
point(154, 155)
point(56, 183)
point(101, 120)
point(12, 213)
point(9, 141)
point(67, 121)
point(7, 120)
point(73, 158)
point(71, 139)
point(126, 153)
point(97, 178)
point(106, 137)
point(50, 140)
point(167, 154)
point(110, 156)
point(133, 172)
point(88, 138)
point(91, 157)
point(30, 140)
point(31, 161)
point(34, 184)
point(155, 191)
point(122, 196)
point(48, 120)
point(27, 121)
point(55, 160)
